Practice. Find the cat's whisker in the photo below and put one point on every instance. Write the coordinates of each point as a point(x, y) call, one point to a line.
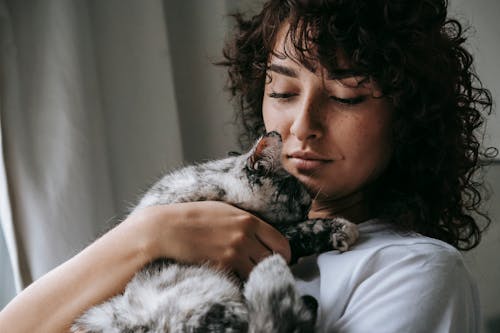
point(318, 192)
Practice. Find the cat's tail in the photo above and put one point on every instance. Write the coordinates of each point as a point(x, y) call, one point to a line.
point(274, 304)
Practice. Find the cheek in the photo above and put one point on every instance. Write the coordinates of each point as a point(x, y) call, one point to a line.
point(269, 122)
point(273, 120)
point(370, 147)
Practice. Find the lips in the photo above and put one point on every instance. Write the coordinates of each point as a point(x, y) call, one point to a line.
point(305, 161)
point(307, 155)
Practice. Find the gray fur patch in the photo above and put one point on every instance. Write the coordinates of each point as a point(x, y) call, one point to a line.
point(170, 297)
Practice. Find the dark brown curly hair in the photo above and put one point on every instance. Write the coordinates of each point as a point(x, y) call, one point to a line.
point(416, 56)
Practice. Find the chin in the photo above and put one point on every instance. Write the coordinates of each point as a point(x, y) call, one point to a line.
point(320, 187)
point(313, 185)
point(315, 181)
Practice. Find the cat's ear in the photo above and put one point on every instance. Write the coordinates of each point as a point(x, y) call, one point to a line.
point(265, 155)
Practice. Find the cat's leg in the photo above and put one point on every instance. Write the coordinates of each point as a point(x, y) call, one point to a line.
point(227, 317)
point(170, 297)
point(274, 305)
point(320, 235)
point(100, 319)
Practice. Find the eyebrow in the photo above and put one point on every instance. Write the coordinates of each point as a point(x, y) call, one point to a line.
point(339, 73)
point(342, 73)
point(282, 70)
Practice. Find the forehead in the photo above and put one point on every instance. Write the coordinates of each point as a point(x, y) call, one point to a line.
point(289, 56)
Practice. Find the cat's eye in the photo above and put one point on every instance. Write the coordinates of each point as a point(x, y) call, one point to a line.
point(259, 167)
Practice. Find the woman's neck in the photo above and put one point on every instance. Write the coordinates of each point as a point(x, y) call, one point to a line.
point(353, 207)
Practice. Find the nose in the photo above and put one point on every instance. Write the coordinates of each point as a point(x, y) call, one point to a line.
point(307, 122)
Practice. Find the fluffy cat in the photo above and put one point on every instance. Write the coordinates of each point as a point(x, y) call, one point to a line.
point(172, 297)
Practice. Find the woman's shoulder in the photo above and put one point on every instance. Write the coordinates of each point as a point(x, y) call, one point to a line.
point(392, 270)
point(383, 238)
point(383, 246)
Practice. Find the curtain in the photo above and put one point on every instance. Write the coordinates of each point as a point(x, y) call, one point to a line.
point(97, 98)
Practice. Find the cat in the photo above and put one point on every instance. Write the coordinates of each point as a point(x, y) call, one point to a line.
point(167, 296)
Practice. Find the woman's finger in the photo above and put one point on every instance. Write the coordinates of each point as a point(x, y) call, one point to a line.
point(244, 267)
point(273, 240)
point(260, 252)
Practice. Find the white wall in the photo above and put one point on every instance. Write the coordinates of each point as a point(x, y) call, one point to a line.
point(484, 43)
point(199, 84)
point(483, 261)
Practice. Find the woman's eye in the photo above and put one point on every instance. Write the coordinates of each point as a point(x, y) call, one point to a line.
point(349, 101)
point(281, 95)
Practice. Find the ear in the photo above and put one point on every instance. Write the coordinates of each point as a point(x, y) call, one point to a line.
point(265, 153)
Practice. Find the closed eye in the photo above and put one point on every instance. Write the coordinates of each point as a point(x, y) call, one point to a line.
point(281, 95)
point(349, 101)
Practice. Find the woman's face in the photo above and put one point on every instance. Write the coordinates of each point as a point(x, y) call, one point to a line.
point(336, 133)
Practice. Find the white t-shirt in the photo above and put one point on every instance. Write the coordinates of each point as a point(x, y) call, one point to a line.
point(391, 282)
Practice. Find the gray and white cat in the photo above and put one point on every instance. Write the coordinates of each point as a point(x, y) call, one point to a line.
point(172, 297)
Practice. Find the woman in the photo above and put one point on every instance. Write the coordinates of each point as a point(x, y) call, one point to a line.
point(377, 106)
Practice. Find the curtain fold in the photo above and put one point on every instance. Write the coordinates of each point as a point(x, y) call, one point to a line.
point(88, 118)
point(138, 96)
point(8, 69)
point(52, 134)
point(97, 99)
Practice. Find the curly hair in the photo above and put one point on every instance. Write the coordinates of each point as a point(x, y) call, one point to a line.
point(416, 56)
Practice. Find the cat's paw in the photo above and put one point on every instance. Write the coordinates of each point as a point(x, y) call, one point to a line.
point(344, 234)
point(272, 266)
point(274, 305)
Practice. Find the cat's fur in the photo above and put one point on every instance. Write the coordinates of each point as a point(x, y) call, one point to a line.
point(173, 297)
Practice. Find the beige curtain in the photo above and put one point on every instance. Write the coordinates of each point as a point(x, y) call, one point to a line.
point(96, 99)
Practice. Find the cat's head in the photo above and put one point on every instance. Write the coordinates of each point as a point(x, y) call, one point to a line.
point(281, 197)
point(265, 156)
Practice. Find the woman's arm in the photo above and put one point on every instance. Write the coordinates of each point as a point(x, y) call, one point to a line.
point(191, 232)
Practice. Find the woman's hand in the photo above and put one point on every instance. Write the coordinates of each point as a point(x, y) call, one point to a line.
point(213, 232)
point(190, 232)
